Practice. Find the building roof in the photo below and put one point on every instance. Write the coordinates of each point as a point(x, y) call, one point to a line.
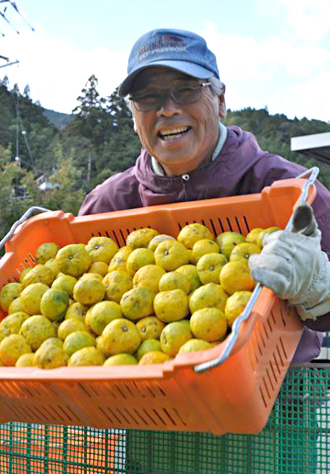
point(316, 146)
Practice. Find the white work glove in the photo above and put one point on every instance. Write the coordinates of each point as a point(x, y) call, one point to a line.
point(293, 265)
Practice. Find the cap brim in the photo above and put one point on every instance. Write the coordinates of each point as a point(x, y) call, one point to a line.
point(191, 69)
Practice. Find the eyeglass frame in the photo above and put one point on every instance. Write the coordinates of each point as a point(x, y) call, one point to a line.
point(169, 93)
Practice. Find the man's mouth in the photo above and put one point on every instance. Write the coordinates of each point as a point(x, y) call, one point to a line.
point(173, 133)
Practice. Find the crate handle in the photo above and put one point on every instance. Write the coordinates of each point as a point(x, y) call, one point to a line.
point(24, 217)
point(312, 174)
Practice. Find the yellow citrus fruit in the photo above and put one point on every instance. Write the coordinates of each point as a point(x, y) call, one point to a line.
point(244, 251)
point(12, 323)
point(88, 291)
point(102, 344)
point(26, 360)
point(23, 273)
point(150, 327)
point(15, 306)
point(171, 255)
point(101, 314)
point(101, 249)
point(36, 330)
point(171, 305)
point(50, 356)
point(77, 340)
point(66, 283)
point(100, 268)
point(141, 238)
point(190, 271)
point(76, 310)
point(253, 235)
point(55, 341)
point(262, 234)
point(54, 304)
point(174, 281)
point(31, 297)
point(89, 275)
point(68, 326)
point(203, 247)
point(138, 259)
point(9, 293)
point(194, 345)
point(86, 356)
point(119, 260)
point(73, 259)
point(11, 349)
point(46, 251)
point(117, 283)
point(174, 335)
point(147, 346)
point(154, 357)
point(209, 267)
point(137, 303)
point(148, 277)
point(210, 295)
point(191, 233)
point(235, 305)
point(121, 359)
point(153, 244)
point(235, 276)
point(39, 274)
point(228, 240)
point(121, 335)
point(209, 324)
point(52, 264)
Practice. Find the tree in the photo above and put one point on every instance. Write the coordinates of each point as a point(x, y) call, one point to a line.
point(91, 120)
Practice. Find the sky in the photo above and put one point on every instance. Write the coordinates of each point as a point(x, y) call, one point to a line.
point(270, 53)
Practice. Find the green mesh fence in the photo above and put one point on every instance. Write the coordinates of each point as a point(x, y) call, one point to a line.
point(295, 440)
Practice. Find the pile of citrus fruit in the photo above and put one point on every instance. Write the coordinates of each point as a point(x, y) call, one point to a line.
point(98, 304)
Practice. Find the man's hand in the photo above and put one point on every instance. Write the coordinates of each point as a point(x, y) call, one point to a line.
point(293, 265)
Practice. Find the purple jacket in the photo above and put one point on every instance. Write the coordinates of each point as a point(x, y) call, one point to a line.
point(241, 168)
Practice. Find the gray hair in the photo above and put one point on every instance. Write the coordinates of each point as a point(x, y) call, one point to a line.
point(217, 87)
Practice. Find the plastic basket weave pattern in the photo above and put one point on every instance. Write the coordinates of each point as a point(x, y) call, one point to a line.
point(234, 397)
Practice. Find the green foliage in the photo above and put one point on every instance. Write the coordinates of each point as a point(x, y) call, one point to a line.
point(75, 152)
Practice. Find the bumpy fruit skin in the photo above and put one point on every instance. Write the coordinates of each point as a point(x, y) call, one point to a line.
point(137, 303)
point(50, 356)
point(228, 240)
point(171, 305)
point(138, 259)
point(171, 255)
point(150, 327)
point(39, 274)
point(154, 357)
point(31, 297)
point(86, 356)
point(46, 251)
point(36, 330)
point(235, 305)
point(210, 295)
point(174, 281)
point(117, 283)
point(141, 238)
point(209, 324)
point(235, 276)
point(120, 359)
point(121, 335)
point(78, 340)
point(8, 294)
point(101, 249)
point(174, 335)
point(192, 233)
point(195, 345)
point(54, 304)
point(73, 260)
point(88, 291)
point(101, 314)
point(11, 349)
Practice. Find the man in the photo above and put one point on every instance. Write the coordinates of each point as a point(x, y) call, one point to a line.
point(177, 101)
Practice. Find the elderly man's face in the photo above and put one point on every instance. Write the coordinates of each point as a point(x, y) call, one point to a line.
point(179, 136)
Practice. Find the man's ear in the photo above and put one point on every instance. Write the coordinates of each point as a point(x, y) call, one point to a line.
point(222, 102)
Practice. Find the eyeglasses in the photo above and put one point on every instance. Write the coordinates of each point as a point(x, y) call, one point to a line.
point(180, 93)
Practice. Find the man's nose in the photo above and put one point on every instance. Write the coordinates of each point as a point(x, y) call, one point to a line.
point(169, 107)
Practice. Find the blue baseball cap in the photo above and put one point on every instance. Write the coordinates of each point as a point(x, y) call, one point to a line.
point(181, 50)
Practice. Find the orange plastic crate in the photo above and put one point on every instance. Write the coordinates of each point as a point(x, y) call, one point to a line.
point(235, 397)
